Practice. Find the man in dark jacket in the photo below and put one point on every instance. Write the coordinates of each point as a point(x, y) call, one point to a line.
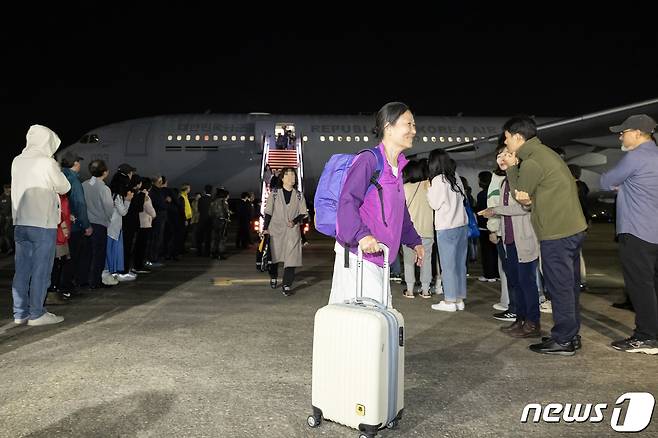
point(79, 244)
point(540, 178)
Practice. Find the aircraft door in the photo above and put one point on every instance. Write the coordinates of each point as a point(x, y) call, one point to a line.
point(138, 139)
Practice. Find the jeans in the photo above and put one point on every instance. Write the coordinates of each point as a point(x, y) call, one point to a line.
point(561, 265)
point(453, 245)
point(522, 283)
point(35, 253)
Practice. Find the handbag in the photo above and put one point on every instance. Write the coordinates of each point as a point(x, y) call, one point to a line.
point(263, 257)
point(473, 228)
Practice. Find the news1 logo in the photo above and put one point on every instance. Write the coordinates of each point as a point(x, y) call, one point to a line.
point(637, 415)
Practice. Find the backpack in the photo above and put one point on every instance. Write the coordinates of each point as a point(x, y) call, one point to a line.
point(331, 183)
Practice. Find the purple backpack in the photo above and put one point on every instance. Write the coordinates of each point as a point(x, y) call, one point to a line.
point(331, 183)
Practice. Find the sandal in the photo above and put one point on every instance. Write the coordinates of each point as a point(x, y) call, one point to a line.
point(406, 294)
point(426, 294)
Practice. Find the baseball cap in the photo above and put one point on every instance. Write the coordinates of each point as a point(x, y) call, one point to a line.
point(125, 168)
point(641, 122)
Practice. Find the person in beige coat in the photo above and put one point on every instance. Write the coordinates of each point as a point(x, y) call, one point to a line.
point(285, 209)
point(521, 257)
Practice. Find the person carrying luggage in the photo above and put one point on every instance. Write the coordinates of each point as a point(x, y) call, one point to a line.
point(366, 217)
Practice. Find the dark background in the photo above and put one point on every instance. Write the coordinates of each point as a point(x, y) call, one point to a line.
point(78, 70)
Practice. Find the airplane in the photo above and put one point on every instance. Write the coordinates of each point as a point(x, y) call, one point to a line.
point(227, 149)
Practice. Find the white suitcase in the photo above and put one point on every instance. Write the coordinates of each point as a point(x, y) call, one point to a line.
point(358, 361)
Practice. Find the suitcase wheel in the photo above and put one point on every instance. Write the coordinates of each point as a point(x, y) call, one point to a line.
point(313, 421)
point(366, 435)
point(393, 424)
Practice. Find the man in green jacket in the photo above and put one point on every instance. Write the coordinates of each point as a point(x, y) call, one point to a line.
point(540, 178)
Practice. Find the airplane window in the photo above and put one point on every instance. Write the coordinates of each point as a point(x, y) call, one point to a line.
point(339, 138)
point(242, 138)
point(458, 139)
point(467, 139)
point(442, 139)
point(233, 138)
point(449, 139)
point(348, 138)
point(356, 138)
point(305, 138)
point(322, 138)
point(170, 137)
point(433, 139)
point(84, 139)
point(179, 137)
point(365, 138)
point(251, 138)
point(425, 139)
point(197, 137)
point(215, 138)
point(224, 138)
point(188, 137)
point(93, 138)
point(331, 138)
point(206, 137)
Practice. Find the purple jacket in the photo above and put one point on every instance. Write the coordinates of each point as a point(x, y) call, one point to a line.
point(359, 214)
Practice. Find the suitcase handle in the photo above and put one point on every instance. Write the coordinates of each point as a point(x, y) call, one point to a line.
point(359, 276)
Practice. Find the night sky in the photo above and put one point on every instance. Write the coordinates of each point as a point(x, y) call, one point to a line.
point(97, 68)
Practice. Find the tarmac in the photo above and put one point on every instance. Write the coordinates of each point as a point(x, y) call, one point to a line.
point(205, 348)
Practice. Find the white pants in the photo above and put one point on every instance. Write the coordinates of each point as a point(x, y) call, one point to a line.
point(343, 283)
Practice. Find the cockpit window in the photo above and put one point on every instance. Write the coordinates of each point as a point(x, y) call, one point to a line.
point(89, 138)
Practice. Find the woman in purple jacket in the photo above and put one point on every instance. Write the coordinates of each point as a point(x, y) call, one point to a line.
point(361, 220)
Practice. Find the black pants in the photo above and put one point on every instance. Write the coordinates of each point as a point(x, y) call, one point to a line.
point(288, 274)
point(243, 238)
point(98, 251)
point(60, 266)
point(156, 242)
point(639, 261)
point(561, 264)
point(78, 274)
point(129, 234)
point(143, 236)
point(489, 255)
point(204, 236)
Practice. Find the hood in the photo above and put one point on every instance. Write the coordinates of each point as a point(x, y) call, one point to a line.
point(41, 141)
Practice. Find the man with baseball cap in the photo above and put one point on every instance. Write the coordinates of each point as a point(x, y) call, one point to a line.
point(635, 178)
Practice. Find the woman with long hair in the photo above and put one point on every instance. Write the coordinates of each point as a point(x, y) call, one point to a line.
point(446, 196)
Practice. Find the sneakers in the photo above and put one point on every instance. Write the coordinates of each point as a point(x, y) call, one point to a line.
point(551, 346)
point(445, 307)
point(396, 278)
point(425, 294)
point(286, 290)
point(487, 280)
point(46, 319)
point(407, 294)
point(109, 279)
point(125, 277)
point(273, 283)
point(20, 321)
point(460, 305)
point(546, 307)
point(634, 345)
point(141, 271)
point(505, 316)
point(500, 307)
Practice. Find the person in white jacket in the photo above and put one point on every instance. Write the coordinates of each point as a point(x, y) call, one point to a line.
point(36, 183)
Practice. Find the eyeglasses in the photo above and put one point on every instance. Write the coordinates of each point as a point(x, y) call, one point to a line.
point(625, 131)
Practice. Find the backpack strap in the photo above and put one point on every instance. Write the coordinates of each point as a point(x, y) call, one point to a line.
point(374, 179)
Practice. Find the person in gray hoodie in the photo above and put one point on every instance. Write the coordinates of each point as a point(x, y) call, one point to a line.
point(36, 183)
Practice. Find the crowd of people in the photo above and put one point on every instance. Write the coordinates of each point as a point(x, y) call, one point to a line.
point(532, 220)
point(72, 235)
